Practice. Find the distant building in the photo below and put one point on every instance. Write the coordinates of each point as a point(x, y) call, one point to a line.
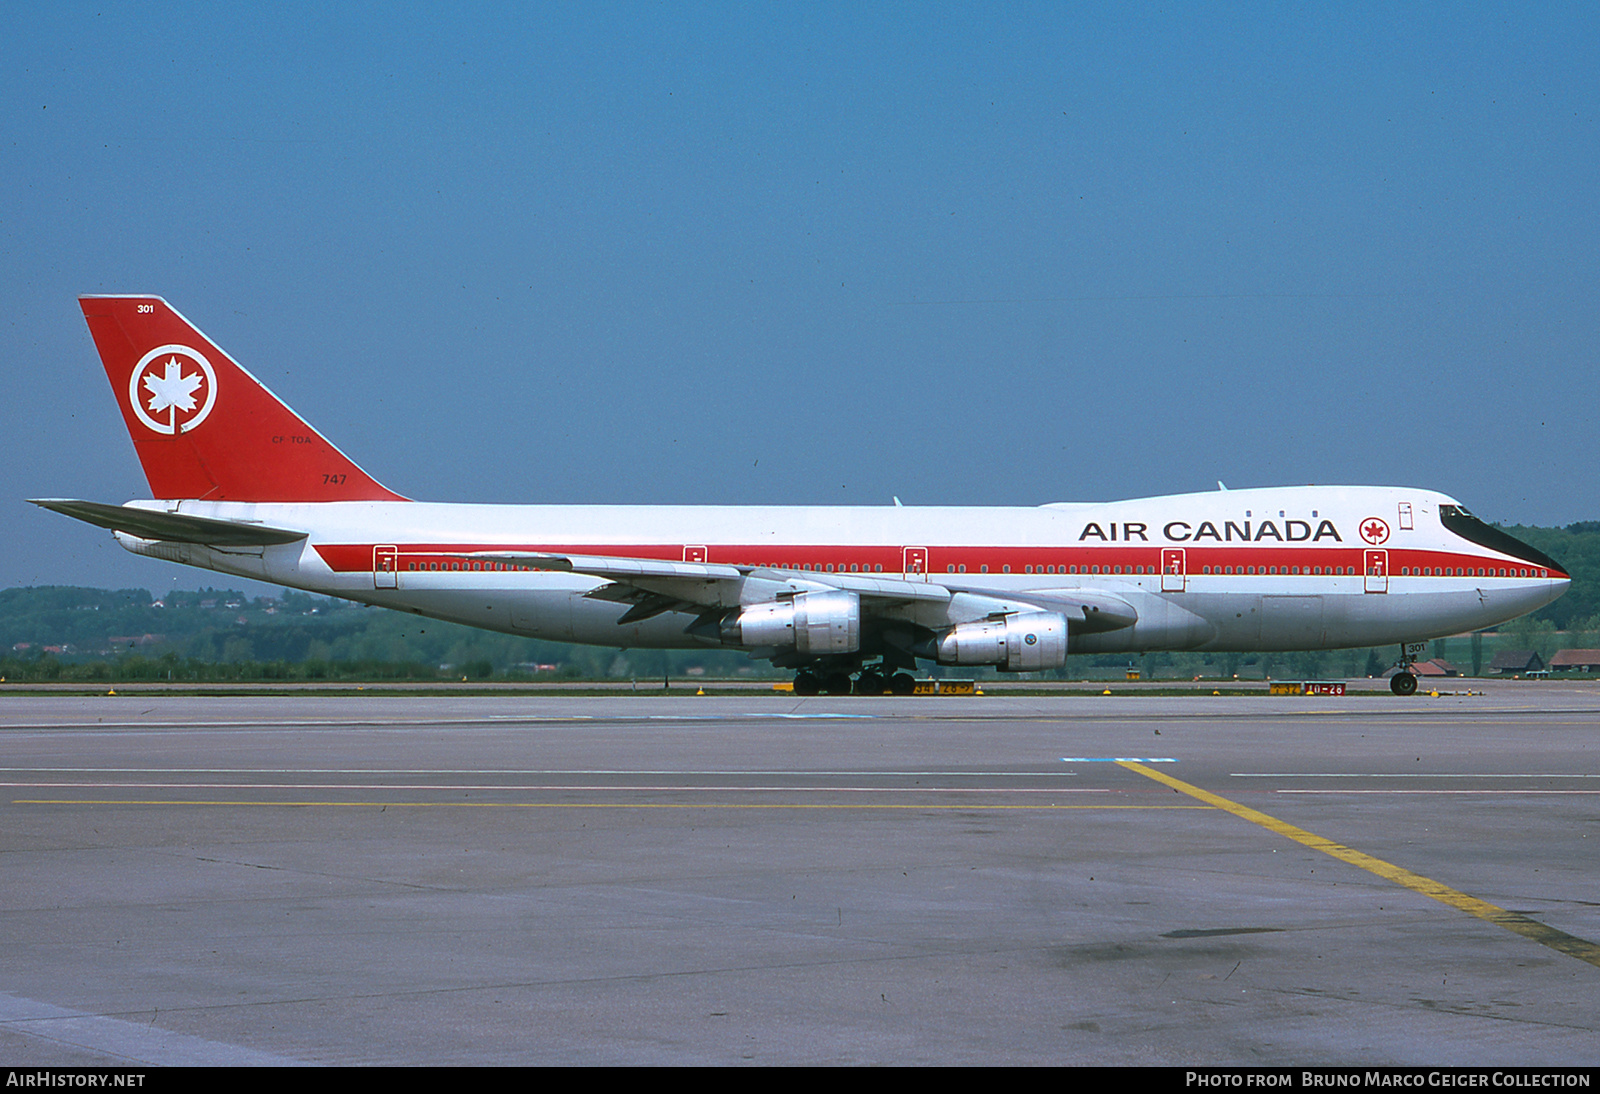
point(1575, 661)
point(1510, 662)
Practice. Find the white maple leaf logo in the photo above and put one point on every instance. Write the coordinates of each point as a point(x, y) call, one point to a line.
point(172, 391)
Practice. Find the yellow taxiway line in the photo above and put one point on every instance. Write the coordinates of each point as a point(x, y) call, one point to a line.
point(1545, 935)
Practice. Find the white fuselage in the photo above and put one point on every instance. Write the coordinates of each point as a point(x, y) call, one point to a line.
point(1262, 569)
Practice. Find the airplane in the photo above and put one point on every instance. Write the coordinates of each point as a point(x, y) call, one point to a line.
point(850, 597)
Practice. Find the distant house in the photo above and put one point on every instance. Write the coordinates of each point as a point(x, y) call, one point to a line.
point(1575, 661)
point(1510, 662)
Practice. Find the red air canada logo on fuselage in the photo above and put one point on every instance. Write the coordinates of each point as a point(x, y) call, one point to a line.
point(1374, 530)
point(172, 389)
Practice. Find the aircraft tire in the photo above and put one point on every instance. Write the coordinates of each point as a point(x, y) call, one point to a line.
point(836, 683)
point(871, 683)
point(806, 683)
point(1403, 683)
point(902, 683)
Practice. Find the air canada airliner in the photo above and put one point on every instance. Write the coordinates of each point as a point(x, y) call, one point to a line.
point(850, 597)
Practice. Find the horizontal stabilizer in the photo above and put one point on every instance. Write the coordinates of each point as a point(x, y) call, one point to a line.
point(170, 527)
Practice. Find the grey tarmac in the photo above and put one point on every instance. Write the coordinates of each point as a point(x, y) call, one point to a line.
point(764, 879)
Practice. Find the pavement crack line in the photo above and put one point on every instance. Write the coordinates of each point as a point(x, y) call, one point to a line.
point(1516, 922)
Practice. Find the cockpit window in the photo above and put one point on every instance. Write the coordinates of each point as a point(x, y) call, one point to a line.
point(1457, 520)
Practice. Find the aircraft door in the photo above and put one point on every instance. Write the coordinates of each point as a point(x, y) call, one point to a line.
point(1377, 571)
point(915, 563)
point(1174, 573)
point(694, 554)
point(385, 567)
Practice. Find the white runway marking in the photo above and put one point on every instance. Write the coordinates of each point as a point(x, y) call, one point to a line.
point(1520, 792)
point(595, 788)
point(1118, 759)
point(498, 720)
point(134, 1042)
point(548, 771)
point(1406, 775)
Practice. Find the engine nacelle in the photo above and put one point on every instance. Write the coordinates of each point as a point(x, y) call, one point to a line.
point(809, 623)
point(1021, 642)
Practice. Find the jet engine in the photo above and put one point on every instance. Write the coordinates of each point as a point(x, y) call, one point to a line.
point(811, 624)
point(1020, 642)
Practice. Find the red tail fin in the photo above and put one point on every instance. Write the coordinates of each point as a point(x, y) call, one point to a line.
point(202, 425)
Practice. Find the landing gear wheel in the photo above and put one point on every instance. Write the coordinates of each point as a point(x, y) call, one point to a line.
point(901, 683)
point(836, 683)
point(871, 683)
point(806, 683)
point(1403, 683)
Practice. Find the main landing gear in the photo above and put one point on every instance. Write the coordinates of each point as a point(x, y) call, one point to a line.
point(807, 682)
point(1404, 682)
point(871, 681)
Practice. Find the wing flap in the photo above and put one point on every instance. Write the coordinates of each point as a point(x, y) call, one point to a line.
point(680, 579)
point(617, 568)
point(1087, 611)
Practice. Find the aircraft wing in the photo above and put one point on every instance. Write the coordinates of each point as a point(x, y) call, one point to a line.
point(716, 585)
point(1087, 611)
point(654, 586)
point(170, 527)
point(618, 567)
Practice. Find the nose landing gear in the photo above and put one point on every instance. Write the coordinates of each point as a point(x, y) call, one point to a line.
point(1404, 682)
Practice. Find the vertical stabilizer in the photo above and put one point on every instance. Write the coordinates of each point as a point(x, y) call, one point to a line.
point(203, 426)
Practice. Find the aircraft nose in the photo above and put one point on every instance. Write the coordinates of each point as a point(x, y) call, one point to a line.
point(1557, 585)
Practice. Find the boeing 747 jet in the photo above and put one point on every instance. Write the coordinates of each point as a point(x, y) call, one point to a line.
point(850, 597)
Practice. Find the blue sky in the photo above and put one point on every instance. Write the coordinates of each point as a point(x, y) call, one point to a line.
point(809, 253)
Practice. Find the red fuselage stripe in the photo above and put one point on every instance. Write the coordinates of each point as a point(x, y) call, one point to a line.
point(1275, 561)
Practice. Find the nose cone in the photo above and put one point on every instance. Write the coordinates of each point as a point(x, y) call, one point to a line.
point(1558, 584)
point(1515, 598)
